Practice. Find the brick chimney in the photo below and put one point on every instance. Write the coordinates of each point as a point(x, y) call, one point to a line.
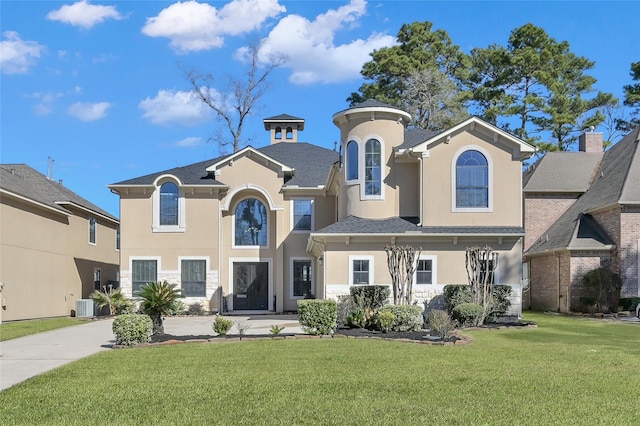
point(591, 142)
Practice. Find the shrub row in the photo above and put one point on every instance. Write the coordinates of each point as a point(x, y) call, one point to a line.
point(628, 303)
point(318, 317)
point(457, 294)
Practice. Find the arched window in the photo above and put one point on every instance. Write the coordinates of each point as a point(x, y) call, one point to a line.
point(289, 133)
point(250, 223)
point(372, 168)
point(278, 133)
point(472, 180)
point(352, 160)
point(169, 204)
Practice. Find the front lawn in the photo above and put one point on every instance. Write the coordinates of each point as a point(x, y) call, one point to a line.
point(14, 329)
point(567, 371)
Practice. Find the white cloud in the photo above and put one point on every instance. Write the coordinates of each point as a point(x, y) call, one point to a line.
point(310, 48)
point(89, 111)
point(45, 100)
point(17, 55)
point(193, 26)
point(82, 14)
point(177, 107)
point(189, 142)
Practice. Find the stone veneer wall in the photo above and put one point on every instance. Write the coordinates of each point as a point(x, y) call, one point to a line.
point(210, 302)
point(629, 251)
point(540, 212)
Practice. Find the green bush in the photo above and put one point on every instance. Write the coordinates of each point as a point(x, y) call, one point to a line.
point(456, 294)
point(356, 318)
point(132, 329)
point(371, 297)
point(467, 314)
point(628, 303)
point(440, 322)
point(318, 316)
point(222, 325)
point(385, 320)
point(603, 285)
point(177, 308)
point(408, 317)
point(196, 309)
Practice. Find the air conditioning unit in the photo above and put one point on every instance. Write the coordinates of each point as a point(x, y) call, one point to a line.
point(84, 308)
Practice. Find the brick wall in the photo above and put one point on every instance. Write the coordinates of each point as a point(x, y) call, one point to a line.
point(540, 212)
point(580, 265)
point(628, 251)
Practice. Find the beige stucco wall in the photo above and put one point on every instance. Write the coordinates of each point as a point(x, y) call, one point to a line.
point(439, 183)
point(47, 262)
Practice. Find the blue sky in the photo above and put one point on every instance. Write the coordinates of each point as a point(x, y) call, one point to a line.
point(99, 86)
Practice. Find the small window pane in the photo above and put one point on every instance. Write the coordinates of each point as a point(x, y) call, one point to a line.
point(360, 271)
point(472, 180)
point(302, 215)
point(194, 278)
point(352, 160)
point(372, 168)
point(143, 272)
point(424, 272)
point(301, 278)
point(92, 230)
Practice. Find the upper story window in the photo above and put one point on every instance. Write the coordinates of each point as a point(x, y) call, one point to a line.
point(472, 180)
point(92, 230)
point(118, 237)
point(278, 132)
point(352, 160)
point(289, 133)
point(169, 204)
point(372, 168)
point(302, 215)
point(250, 223)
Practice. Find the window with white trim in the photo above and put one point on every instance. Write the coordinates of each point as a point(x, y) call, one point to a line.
point(143, 271)
point(92, 230)
point(472, 180)
point(352, 161)
point(251, 222)
point(193, 275)
point(168, 204)
point(372, 168)
point(302, 278)
point(302, 215)
point(426, 270)
point(360, 270)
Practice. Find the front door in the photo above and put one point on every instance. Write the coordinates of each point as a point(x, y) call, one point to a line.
point(250, 286)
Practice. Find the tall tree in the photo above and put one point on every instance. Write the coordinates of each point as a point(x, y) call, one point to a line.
point(239, 97)
point(419, 48)
point(632, 99)
point(537, 86)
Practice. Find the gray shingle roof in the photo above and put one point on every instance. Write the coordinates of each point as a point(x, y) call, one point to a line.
point(413, 137)
point(27, 182)
point(283, 117)
point(612, 182)
point(193, 174)
point(311, 163)
point(562, 172)
point(354, 225)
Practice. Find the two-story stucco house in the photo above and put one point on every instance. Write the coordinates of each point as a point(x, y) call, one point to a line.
point(261, 228)
point(55, 246)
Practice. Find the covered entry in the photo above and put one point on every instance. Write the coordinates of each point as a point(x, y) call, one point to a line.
point(250, 286)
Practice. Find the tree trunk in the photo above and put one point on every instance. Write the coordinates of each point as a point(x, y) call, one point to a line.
point(158, 327)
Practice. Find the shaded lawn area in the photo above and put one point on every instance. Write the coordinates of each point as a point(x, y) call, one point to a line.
point(567, 371)
point(14, 329)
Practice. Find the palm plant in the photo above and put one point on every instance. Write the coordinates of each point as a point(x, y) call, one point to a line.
point(111, 297)
point(157, 300)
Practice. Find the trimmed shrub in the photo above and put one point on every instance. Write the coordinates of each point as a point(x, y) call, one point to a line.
point(440, 322)
point(408, 317)
point(318, 316)
point(372, 297)
point(467, 314)
point(455, 294)
point(384, 320)
point(221, 325)
point(628, 303)
point(356, 318)
point(196, 309)
point(132, 329)
point(502, 293)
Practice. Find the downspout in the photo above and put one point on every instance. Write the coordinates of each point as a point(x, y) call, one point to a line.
point(221, 301)
point(421, 196)
point(559, 295)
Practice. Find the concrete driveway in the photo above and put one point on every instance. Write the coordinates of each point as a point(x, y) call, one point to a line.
point(26, 357)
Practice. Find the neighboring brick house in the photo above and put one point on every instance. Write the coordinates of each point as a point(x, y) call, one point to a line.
point(261, 228)
point(582, 212)
point(55, 246)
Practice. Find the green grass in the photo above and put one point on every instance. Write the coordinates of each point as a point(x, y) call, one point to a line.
point(12, 330)
point(567, 371)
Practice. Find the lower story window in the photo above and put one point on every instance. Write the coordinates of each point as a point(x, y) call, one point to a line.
point(301, 278)
point(143, 272)
point(360, 271)
point(424, 271)
point(194, 279)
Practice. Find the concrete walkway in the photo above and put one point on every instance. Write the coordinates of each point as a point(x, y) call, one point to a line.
point(26, 357)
